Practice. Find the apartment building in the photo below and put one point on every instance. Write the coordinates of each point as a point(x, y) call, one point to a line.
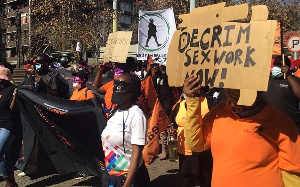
point(16, 33)
point(15, 28)
point(2, 32)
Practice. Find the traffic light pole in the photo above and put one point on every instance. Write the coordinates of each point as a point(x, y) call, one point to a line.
point(115, 19)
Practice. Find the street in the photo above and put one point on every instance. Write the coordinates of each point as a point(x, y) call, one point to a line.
point(162, 173)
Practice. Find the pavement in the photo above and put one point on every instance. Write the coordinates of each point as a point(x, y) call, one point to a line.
point(163, 173)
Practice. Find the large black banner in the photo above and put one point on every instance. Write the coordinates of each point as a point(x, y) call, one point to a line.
point(70, 131)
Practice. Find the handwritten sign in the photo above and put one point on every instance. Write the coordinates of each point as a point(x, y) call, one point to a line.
point(117, 46)
point(222, 52)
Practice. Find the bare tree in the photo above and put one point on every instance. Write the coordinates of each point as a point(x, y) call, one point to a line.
point(59, 24)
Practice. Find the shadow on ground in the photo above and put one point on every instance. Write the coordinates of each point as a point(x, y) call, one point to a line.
point(44, 170)
point(56, 179)
point(171, 180)
point(93, 182)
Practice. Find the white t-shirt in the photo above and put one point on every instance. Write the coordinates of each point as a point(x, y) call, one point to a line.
point(139, 73)
point(78, 46)
point(117, 162)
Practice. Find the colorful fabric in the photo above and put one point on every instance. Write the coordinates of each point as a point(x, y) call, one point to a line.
point(117, 154)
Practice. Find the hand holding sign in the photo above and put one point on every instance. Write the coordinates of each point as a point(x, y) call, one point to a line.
point(191, 86)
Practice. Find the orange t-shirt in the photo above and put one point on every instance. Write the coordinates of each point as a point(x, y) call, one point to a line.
point(82, 95)
point(108, 87)
point(246, 157)
point(180, 121)
point(297, 73)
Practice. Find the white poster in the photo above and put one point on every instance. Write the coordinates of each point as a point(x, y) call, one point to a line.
point(156, 29)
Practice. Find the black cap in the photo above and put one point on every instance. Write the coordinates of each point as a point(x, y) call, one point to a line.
point(83, 74)
point(28, 61)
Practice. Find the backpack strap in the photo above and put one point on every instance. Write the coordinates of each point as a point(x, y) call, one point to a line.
point(91, 87)
point(112, 112)
point(86, 91)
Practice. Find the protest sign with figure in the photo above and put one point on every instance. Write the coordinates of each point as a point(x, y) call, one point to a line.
point(224, 53)
point(156, 29)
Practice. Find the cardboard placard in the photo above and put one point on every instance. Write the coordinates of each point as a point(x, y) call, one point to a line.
point(117, 46)
point(222, 52)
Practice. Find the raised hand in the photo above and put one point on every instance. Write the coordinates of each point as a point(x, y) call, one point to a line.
point(191, 87)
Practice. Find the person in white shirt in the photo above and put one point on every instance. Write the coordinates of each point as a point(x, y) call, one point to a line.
point(124, 136)
point(79, 49)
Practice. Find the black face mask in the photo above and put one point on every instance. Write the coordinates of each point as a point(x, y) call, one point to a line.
point(4, 84)
point(117, 98)
point(120, 88)
point(158, 73)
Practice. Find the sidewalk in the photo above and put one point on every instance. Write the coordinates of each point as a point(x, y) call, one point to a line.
point(163, 173)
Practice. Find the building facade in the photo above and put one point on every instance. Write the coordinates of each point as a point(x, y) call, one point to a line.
point(15, 27)
point(2, 32)
point(16, 33)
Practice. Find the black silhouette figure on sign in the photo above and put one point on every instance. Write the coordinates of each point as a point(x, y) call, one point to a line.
point(152, 32)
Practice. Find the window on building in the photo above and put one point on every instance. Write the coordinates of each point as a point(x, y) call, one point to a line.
point(25, 4)
point(4, 38)
point(14, 5)
point(3, 53)
point(12, 21)
point(13, 37)
point(13, 52)
point(125, 19)
point(125, 7)
point(3, 11)
point(24, 18)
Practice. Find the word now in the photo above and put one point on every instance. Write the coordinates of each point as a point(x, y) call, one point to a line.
point(204, 75)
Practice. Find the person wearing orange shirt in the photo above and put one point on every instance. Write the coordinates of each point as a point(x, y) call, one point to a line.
point(107, 89)
point(195, 168)
point(81, 92)
point(251, 145)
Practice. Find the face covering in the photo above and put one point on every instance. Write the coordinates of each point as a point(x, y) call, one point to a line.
point(117, 98)
point(76, 85)
point(38, 66)
point(276, 72)
point(120, 88)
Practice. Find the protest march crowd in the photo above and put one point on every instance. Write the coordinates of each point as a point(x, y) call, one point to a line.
point(112, 124)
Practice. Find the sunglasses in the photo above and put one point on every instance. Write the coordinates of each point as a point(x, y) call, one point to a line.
point(121, 85)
